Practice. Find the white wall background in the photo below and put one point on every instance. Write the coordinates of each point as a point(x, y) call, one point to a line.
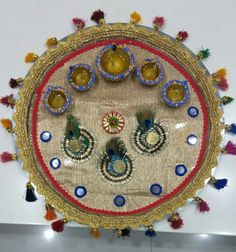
point(26, 24)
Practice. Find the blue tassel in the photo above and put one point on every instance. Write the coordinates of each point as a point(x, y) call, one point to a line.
point(231, 128)
point(150, 232)
point(219, 183)
point(30, 195)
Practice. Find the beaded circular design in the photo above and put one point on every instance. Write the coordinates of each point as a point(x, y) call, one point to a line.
point(55, 163)
point(80, 191)
point(113, 122)
point(119, 201)
point(45, 136)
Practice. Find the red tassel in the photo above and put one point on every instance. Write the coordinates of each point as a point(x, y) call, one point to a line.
point(158, 22)
point(78, 22)
point(8, 101)
point(223, 84)
point(58, 226)
point(202, 206)
point(6, 157)
point(182, 36)
point(230, 148)
point(98, 17)
point(175, 220)
point(13, 83)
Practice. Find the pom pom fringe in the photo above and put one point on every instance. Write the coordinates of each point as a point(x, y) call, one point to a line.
point(175, 220)
point(98, 17)
point(7, 124)
point(95, 233)
point(218, 183)
point(202, 205)
point(8, 101)
point(150, 232)
point(219, 77)
point(226, 100)
point(58, 226)
point(51, 42)
point(158, 22)
point(230, 148)
point(78, 22)
point(30, 195)
point(231, 128)
point(182, 36)
point(6, 157)
point(50, 213)
point(135, 17)
point(31, 57)
point(13, 83)
point(203, 54)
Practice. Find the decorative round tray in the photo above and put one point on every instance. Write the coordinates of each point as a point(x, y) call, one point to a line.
point(126, 151)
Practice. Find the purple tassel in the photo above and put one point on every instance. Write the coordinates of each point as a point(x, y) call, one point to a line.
point(230, 148)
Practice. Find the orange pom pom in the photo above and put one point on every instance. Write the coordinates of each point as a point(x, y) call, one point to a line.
point(135, 17)
point(221, 73)
point(50, 213)
point(95, 233)
point(51, 42)
point(7, 124)
point(31, 57)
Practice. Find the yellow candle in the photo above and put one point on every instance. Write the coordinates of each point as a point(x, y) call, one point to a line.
point(81, 76)
point(57, 99)
point(175, 92)
point(115, 62)
point(150, 71)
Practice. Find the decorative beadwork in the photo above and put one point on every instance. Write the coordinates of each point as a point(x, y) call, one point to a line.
point(193, 112)
point(80, 191)
point(156, 189)
point(150, 72)
point(55, 163)
point(78, 143)
point(115, 164)
point(119, 201)
point(81, 77)
point(45, 136)
point(113, 122)
point(192, 139)
point(127, 59)
point(180, 169)
point(56, 100)
point(175, 93)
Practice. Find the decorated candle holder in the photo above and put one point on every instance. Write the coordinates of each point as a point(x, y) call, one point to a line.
point(115, 62)
point(81, 77)
point(175, 93)
point(150, 72)
point(56, 100)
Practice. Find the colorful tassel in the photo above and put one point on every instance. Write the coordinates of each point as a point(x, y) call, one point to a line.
point(175, 220)
point(135, 17)
point(6, 157)
point(226, 100)
point(8, 101)
point(13, 83)
point(203, 54)
point(123, 232)
point(158, 22)
point(218, 183)
point(51, 42)
point(31, 57)
point(58, 226)
point(150, 232)
point(182, 36)
point(78, 22)
point(95, 233)
point(230, 148)
point(30, 194)
point(50, 213)
point(7, 124)
point(231, 128)
point(219, 77)
point(202, 206)
point(98, 17)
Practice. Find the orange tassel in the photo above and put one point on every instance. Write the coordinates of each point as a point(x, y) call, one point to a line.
point(95, 233)
point(31, 57)
point(7, 124)
point(221, 73)
point(50, 213)
point(51, 42)
point(135, 17)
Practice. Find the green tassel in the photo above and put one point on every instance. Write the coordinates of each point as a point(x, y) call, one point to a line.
point(226, 100)
point(203, 54)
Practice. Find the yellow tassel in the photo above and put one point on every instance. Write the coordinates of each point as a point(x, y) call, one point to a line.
point(221, 73)
point(31, 57)
point(135, 17)
point(51, 42)
point(7, 124)
point(95, 233)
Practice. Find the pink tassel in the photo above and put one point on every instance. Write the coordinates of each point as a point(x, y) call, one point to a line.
point(223, 84)
point(78, 22)
point(202, 206)
point(158, 21)
point(230, 148)
point(6, 157)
